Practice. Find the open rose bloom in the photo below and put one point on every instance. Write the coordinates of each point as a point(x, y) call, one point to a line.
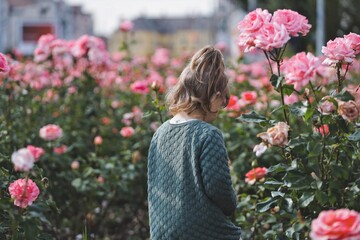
point(341, 224)
point(23, 159)
point(51, 132)
point(277, 135)
point(4, 66)
point(255, 174)
point(24, 192)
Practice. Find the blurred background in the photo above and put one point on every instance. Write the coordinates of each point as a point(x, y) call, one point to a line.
point(179, 25)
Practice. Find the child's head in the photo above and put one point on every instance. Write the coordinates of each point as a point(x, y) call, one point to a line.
point(202, 81)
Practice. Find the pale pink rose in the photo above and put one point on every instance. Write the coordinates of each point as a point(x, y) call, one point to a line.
point(24, 192)
point(270, 36)
point(300, 69)
point(51, 132)
point(323, 130)
point(23, 159)
point(340, 224)
point(338, 50)
point(349, 110)
point(98, 140)
point(126, 26)
point(127, 132)
point(245, 42)
point(141, 87)
point(60, 150)
point(293, 98)
point(75, 165)
point(37, 152)
point(171, 81)
point(43, 49)
point(259, 149)
point(255, 174)
point(4, 66)
point(154, 126)
point(254, 20)
point(249, 97)
point(161, 57)
point(100, 179)
point(353, 40)
point(277, 135)
point(115, 104)
point(326, 107)
point(294, 22)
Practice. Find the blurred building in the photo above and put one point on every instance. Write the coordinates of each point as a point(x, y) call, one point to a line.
point(184, 34)
point(177, 34)
point(27, 20)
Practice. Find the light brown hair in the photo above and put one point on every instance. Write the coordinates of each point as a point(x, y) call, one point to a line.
point(203, 77)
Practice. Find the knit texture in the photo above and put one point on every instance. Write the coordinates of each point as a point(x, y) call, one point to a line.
point(190, 191)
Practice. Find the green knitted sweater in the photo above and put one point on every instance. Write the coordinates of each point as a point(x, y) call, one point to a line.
point(190, 191)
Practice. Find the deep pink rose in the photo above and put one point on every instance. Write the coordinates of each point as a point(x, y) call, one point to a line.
point(300, 69)
point(255, 174)
point(338, 50)
point(270, 36)
point(249, 97)
point(60, 150)
point(341, 224)
point(353, 40)
point(4, 66)
point(127, 131)
point(37, 152)
point(294, 22)
point(51, 132)
point(24, 192)
point(23, 159)
point(141, 87)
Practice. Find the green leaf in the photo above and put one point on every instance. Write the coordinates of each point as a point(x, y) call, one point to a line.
point(277, 194)
point(309, 113)
point(281, 167)
point(288, 89)
point(276, 81)
point(321, 197)
point(298, 110)
point(355, 136)
point(252, 117)
point(306, 199)
point(266, 205)
point(344, 96)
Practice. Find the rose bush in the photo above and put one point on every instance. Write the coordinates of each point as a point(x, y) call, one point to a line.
point(83, 119)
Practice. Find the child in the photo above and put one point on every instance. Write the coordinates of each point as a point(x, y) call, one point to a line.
point(190, 192)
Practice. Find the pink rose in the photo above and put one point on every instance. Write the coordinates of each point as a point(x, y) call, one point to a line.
point(127, 132)
point(340, 224)
point(4, 66)
point(326, 107)
point(255, 174)
point(23, 159)
point(24, 191)
point(249, 97)
point(338, 50)
point(161, 57)
point(323, 130)
point(60, 150)
point(98, 140)
point(126, 26)
point(293, 98)
point(75, 165)
point(37, 152)
point(254, 20)
point(353, 40)
point(141, 87)
point(293, 21)
point(51, 132)
point(277, 135)
point(349, 110)
point(270, 36)
point(300, 69)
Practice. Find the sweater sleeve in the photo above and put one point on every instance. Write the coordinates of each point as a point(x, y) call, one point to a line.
point(215, 173)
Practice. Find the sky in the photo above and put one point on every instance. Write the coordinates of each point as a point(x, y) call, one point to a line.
point(108, 14)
